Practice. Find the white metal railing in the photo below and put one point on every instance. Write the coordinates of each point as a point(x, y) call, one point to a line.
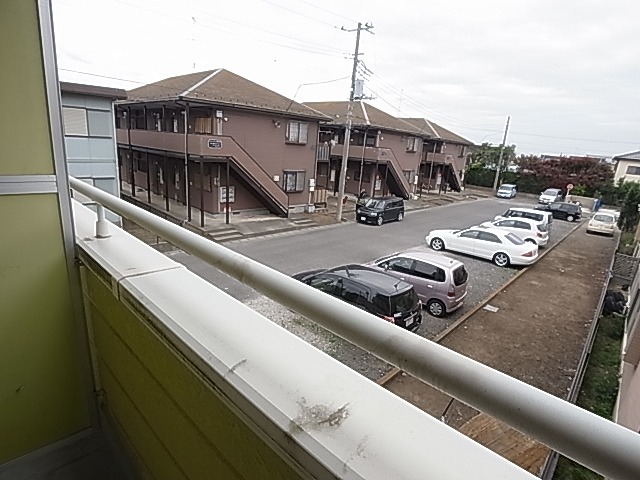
point(597, 443)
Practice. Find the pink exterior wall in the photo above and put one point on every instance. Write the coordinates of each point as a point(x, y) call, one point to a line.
point(454, 150)
point(257, 134)
point(398, 144)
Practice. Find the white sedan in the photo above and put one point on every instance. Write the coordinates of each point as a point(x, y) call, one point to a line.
point(603, 222)
point(501, 247)
point(529, 230)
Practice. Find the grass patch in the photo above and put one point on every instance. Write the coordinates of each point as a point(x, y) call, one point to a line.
point(599, 387)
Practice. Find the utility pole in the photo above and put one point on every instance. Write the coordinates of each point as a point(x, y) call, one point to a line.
point(504, 139)
point(347, 129)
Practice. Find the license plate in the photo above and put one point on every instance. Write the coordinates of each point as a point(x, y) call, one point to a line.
point(409, 321)
point(363, 218)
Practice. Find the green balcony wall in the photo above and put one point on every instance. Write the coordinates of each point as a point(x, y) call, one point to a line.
point(168, 414)
point(43, 395)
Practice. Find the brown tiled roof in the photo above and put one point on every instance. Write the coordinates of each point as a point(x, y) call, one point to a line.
point(364, 115)
point(437, 131)
point(220, 87)
point(93, 90)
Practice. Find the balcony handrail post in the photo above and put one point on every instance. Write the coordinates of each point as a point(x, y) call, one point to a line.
point(102, 225)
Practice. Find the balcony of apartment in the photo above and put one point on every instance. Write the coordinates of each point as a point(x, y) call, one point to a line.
point(194, 384)
point(372, 154)
point(212, 146)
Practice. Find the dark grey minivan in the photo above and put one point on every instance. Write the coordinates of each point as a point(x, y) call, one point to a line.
point(376, 292)
point(379, 210)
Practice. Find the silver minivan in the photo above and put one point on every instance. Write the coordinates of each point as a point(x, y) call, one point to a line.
point(439, 281)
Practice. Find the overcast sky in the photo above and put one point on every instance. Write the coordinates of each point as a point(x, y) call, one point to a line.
point(567, 72)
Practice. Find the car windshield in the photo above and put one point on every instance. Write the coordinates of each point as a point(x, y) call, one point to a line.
point(516, 240)
point(604, 218)
point(404, 302)
point(550, 191)
point(373, 203)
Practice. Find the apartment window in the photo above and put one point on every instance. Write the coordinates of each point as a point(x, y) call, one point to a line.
point(412, 144)
point(204, 125)
point(631, 170)
point(293, 181)
point(408, 174)
point(75, 121)
point(158, 121)
point(462, 150)
point(297, 132)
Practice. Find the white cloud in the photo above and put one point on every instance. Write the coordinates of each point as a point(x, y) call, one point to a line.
point(566, 72)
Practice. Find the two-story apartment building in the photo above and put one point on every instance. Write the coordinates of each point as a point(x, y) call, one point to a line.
point(218, 142)
point(384, 151)
point(444, 156)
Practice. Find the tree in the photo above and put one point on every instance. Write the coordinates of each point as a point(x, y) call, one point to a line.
point(487, 155)
point(629, 215)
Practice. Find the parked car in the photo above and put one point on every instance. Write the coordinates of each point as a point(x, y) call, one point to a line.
point(379, 210)
point(602, 222)
point(501, 247)
point(439, 281)
point(530, 213)
point(378, 293)
point(562, 210)
point(507, 190)
point(532, 231)
point(550, 195)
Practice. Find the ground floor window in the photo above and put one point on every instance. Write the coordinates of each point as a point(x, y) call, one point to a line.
point(293, 181)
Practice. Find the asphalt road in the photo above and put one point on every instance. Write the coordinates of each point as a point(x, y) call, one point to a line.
point(351, 242)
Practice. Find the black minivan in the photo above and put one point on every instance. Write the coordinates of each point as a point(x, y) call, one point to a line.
point(378, 293)
point(379, 210)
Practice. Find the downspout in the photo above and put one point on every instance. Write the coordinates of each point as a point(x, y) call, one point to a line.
point(186, 162)
point(146, 156)
point(201, 192)
point(165, 178)
point(364, 146)
point(133, 173)
point(226, 199)
point(433, 156)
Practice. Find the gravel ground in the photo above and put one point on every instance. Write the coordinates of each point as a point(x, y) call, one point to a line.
point(484, 279)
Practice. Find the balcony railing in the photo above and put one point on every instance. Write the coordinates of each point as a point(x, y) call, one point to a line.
point(364, 431)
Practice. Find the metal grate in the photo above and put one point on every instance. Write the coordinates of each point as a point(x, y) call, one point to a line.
point(625, 267)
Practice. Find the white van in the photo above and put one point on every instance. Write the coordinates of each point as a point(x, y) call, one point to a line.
point(537, 215)
point(550, 195)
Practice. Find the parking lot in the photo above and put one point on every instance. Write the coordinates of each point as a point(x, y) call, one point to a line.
point(484, 279)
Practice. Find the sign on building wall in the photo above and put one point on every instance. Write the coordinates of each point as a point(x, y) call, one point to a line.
point(223, 194)
point(215, 143)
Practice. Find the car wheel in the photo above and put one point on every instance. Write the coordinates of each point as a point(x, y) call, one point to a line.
point(400, 216)
point(570, 218)
point(379, 221)
point(437, 244)
point(436, 308)
point(531, 240)
point(501, 259)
